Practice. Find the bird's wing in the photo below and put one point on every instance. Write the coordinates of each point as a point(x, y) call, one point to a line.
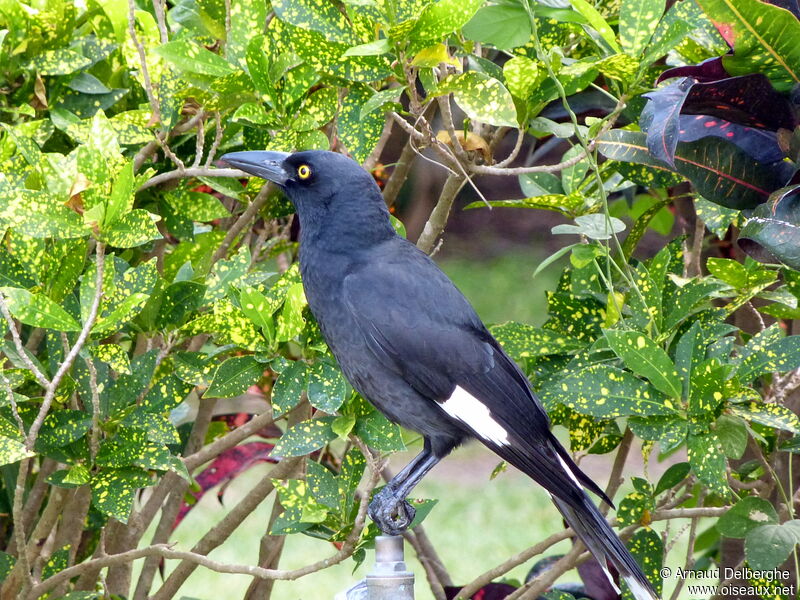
point(419, 325)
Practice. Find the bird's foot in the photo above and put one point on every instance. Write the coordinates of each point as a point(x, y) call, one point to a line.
point(391, 514)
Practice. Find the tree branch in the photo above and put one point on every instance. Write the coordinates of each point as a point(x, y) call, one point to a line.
point(191, 172)
point(438, 218)
point(73, 353)
point(19, 346)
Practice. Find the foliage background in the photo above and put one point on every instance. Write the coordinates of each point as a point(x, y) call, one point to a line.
point(157, 341)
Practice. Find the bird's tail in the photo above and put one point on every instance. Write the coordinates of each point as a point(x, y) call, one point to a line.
point(594, 531)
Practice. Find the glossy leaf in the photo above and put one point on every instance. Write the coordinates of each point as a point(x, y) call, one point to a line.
point(483, 98)
point(708, 461)
point(305, 437)
point(606, 392)
point(644, 357)
point(720, 171)
point(775, 227)
point(38, 310)
point(113, 490)
point(234, 376)
point(762, 36)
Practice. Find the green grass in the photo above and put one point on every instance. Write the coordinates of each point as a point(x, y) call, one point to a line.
point(502, 288)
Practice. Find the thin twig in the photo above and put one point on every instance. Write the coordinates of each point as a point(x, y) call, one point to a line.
point(94, 440)
point(50, 392)
point(18, 344)
point(191, 172)
point(243, 221)
point(218, 133)
point(615, 478)
point(148, 86)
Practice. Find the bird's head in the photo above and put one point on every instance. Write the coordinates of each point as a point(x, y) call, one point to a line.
point(310, 175)
point(325, 187)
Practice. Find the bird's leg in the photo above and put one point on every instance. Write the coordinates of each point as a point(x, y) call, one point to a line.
point(389, 509)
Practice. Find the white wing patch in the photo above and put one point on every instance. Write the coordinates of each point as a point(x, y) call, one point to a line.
point(469, 410)
point(569, 471)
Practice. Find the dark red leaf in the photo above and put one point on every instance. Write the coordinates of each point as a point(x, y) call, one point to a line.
point(747, 100)
point(760, 144)
point(661, 119)
point(793, 6)
point(491, 591)
point(708, 70)
point(225, 468)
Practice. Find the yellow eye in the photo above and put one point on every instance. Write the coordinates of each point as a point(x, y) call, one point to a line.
point(304, 171)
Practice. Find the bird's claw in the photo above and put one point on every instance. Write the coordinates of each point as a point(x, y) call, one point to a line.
point(391, 514)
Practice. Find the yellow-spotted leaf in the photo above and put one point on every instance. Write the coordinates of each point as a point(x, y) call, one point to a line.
point(606, 392)
point(481, 97)
point(38, 310)
point(646, 358)
point(113, 490)
point(234, 376)
point(305, 437)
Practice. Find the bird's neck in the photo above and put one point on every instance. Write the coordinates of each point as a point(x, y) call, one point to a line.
point(343, 230)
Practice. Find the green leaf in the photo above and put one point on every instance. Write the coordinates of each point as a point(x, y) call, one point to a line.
point(359, 130)
point(747, 514)
point(647, 548)
point(778, 356)
point(687, 298)
point(322, 485)
point(763, 38)
point(323, 17)
point(637, 21)
point(566, 205)
point(635, 507)
point(317, 109)
point(305, 437)
point(177, 302)
point(376, 48)
point(38, 310)
point(327, 387)
point(234, 376)
point(290, 320)
point(120, 202)
point(62, 427)
point(768, 546)
point(197, 206)
point(771, 415)
point(595, 226)
point(503, 26)
point(606, 392)
point(192, 58)
point(732, 434)
point(676, 474)
point(343, 425)
point(289, 388)
point(113, 490)
point(481, 97)
point(12, 451)
point(440, 18)
point(708, 461)
point(59, 62)
point(645, 358)
point(132, 229)
point(525, 341)
point(597, 22)
point(379, 433)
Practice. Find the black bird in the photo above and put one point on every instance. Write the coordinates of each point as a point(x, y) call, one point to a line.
point(409, 342)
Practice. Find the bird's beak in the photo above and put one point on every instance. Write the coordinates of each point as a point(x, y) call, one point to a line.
point(267, 165)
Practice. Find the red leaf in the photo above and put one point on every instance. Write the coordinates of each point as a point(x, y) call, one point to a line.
point(224, 469)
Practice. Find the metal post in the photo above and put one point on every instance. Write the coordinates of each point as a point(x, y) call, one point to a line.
point(390, 579)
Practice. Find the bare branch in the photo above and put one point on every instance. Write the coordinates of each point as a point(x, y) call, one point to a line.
point(222, 530)
point(438, 218)
point(161, 19)
point(615, 479)
point(148, 85)
point(18, 344)
point(94, 440)
point(191, 172)
point(50, 392)
point(243, 221)
point(400, 173)
point(514, 171)
point(218, 133)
